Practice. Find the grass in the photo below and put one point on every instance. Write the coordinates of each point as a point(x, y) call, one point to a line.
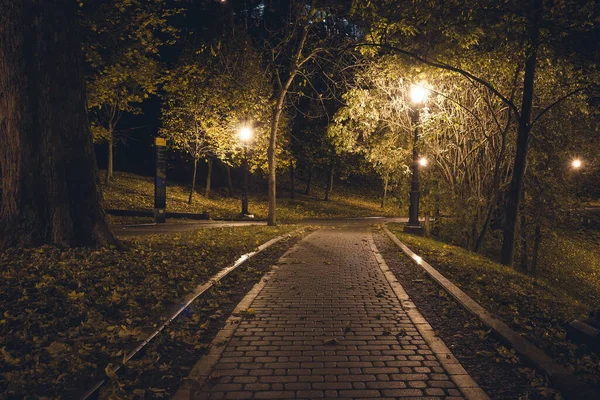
point(540, 307)
point(67, 313)
point(133, 192)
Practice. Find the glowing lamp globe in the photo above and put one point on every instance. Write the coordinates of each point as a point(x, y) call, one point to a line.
point(245, 134)
point(423, 162)
point(418, 94)
point(576, 163)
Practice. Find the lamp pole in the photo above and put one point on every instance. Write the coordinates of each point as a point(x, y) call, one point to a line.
point(245, 183)
point(418, 95)
point(245, 135)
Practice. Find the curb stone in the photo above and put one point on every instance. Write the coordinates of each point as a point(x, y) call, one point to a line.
point(465, 383)
point(568, 384)
point(200, 373)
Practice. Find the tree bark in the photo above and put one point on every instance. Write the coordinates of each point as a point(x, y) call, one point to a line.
point(193, 188)
point(208, 177)
point(516, 183)
point(272, 217)
point(329, 187)
point(109, 163)
point(292, 182)
point(50, 185)
point(229, 182)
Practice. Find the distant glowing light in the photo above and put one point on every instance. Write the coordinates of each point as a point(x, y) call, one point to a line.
point(245, 134)
point(418, 94)
point(576, 163)
point(423, 162)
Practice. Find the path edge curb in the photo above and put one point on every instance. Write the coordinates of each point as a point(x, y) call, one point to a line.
point(201, 371)
point(461, 378)
point(569, 385)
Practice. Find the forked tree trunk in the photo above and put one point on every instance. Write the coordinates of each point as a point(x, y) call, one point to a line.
point(208, 177)
point(50, 186)
point(308, 183)
point(292, 181)
point(329, 187)
point(229, 182)
point(193, 188)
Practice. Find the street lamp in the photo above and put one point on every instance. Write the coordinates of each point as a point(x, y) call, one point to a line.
point(576, 163)
point(245, 135)
point(418, 96)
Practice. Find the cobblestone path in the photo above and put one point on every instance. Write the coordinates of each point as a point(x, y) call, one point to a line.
point(327, 324)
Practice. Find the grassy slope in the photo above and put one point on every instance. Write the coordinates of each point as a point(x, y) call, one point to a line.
point(134, 192)
point(539, 308)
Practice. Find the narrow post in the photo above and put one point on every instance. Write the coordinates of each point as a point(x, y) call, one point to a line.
point(245, 184)
point(414, 226)
point(160, 182)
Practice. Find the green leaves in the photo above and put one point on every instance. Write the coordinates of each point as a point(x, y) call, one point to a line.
point(210, 95)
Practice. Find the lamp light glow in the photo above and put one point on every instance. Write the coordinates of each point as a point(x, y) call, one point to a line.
point(245, 134)
point(576, 163)
point(423, 162)
point(418, 94)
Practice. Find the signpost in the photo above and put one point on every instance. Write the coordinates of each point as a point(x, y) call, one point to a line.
point(160, 183)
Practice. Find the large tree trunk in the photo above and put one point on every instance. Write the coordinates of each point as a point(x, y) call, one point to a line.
point(516, 183)
point(208, 177)
point(193, 188)
point(308, 182)
point(50, 186)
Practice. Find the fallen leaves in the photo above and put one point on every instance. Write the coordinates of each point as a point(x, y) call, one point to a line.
point(69, 312)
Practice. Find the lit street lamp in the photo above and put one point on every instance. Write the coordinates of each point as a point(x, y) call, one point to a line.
point(576, 163)
point(245, 135)
point(418, 96)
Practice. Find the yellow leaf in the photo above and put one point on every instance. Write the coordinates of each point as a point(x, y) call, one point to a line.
point(10, 360)
point(75, 296)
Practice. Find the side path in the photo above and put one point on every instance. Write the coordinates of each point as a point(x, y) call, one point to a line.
point(330, 322)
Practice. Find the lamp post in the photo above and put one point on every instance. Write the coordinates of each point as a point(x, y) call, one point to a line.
point(418, 96)
point(245, 135)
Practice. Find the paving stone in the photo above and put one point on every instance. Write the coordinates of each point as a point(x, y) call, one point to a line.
point(329, 325)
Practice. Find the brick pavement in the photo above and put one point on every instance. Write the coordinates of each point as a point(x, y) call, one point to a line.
point(328, 324)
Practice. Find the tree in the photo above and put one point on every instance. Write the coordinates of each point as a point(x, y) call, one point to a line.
point(375, 120)
point(123, 39)
point(451, 37)
point(50, 192)
point(215, 91)
point(293, 34)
